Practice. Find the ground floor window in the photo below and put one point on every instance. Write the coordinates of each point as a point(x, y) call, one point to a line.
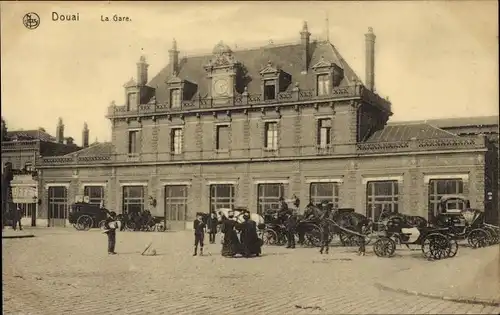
point(324, 191)
point(381, 196)
point(438, 188)
point(133, 199)
point(268, 196)
point(95, 194)
point(221, 196)
point(58, 202)
point(176, 197)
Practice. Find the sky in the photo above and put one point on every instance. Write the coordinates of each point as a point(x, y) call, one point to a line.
point(433, 59)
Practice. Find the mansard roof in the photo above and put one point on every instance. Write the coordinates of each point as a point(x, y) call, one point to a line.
point(459, 121)
point(30, 135)
point(285, 57)
point(408, 131)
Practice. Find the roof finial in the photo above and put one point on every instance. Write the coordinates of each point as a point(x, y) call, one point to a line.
point(85, 126)
point(304, 27)
point(174, 44)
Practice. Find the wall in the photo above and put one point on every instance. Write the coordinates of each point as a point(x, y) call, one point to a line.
point(297, 132)
point(296, 175)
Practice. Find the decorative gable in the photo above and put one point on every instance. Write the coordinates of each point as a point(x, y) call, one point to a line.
point(270, 71)
point(130, 83)
point(334, 72)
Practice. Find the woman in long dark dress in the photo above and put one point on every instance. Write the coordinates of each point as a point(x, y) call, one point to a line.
point(231, 245)
point(250, 241)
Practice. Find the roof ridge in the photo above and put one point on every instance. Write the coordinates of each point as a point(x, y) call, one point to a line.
point(236, 50)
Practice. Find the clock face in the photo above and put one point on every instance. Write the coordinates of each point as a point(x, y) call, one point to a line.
point(221, 86)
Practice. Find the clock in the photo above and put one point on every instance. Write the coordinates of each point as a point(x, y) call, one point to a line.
point(221, 86)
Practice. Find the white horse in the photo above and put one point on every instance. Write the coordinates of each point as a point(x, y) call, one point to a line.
point(238, 215)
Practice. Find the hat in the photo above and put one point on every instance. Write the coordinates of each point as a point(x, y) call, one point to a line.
point(112, 214)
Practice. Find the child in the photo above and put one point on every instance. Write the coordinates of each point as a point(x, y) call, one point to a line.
point(199, 234)
point(111, 226)
point(212, 227)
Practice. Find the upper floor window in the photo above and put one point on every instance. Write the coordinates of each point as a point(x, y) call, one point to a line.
point(222, 141)
point(324, 132)
point(133, 139)
point(323, 84)
point(176, 141)
point(131, 101)
point(269, 90)
point(271, 140)
point(175, 98)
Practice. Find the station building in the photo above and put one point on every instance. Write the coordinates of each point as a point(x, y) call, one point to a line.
point(245, 127)
point(20, 151)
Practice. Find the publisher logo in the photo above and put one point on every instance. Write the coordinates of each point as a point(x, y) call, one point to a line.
point(31, 20)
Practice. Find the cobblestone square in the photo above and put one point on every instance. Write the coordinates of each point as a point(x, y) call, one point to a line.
point(62, 271)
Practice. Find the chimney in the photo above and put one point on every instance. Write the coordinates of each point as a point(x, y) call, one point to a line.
point(370, 59)
point(85, 135)
point(60, 131)
point(173, 55)
point(142, 72)
point(304, 40)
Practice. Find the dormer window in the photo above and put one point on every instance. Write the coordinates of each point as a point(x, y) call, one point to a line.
point(131, 101)
point(323, 84)
point(269, 90)
point(175, 98)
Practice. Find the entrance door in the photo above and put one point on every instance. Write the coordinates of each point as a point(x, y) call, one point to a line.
point(176, 206)
point(58, 206)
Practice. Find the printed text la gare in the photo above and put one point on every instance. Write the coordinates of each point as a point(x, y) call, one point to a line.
point(115, 18)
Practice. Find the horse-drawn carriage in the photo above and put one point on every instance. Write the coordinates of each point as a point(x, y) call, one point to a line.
point(465, 223)
point(84, 216)
point(435, 243)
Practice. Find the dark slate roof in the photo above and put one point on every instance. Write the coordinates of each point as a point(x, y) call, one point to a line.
point(457, 122)
point(95, 149)
point(287, 57)
point(30, 135)
point(406, 132)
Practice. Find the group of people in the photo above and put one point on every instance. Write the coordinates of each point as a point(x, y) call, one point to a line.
point(247, 243)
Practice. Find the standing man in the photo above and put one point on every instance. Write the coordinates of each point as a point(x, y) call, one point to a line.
point(17, 215)
point(325, 227)
point(199, 233)
point(212, 227)
point(291, 226)
point(111, 226)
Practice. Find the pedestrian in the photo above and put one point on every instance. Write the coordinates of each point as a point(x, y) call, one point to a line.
point(199, 233)
point(212, 227)
point(364, 231)
point(325, 227)
point(110, 229)
point(17, 215)
point(291, 226)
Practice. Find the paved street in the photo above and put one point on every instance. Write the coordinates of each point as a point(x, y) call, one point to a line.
point(63, 271)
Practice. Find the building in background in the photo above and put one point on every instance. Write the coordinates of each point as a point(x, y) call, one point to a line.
point(21, 149)
point(249, 126)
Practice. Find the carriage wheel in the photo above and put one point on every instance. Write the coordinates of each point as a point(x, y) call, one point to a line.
point(270, 237)
point(130, 225)
point(436, 246)
point(384, 247)
point(478, 238)
point(85, 222)
point(493, 235)
point(102, 224)
point(344, 238)
point(313, 235)
point(160, 228)
point(453, 248)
